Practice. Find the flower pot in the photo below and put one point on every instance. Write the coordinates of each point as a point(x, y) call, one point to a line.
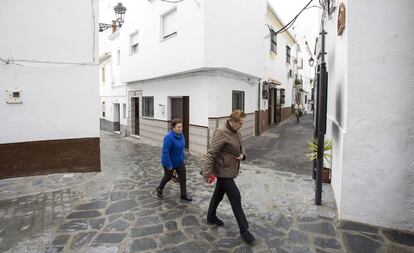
point(326, 175)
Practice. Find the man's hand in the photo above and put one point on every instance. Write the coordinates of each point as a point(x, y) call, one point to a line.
point(240, 157)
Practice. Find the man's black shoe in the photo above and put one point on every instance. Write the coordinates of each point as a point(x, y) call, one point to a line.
point(247, 237)
point(215, 221)
point(186, 198)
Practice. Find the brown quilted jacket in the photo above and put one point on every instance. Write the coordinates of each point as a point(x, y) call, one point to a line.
point(220, 159)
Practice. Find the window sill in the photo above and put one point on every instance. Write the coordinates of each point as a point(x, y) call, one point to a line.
point(145, 117)
point(168, 37)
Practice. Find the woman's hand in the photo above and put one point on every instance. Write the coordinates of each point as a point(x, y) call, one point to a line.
point(240, 157)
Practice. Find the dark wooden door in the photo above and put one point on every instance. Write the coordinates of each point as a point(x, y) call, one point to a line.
point(180, 109)
point(278, 106)
point(136, 116)
point(274, 92)
point(186, 120)
point(117, 112)
point(269, 107)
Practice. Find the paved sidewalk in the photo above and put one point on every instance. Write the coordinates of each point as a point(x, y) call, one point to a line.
point(116, 211)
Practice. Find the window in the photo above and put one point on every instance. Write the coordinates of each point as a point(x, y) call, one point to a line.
point(103, 109)
point(238, 100)
point(133, 43)
point(124, 112)
point(148, 107)
point(282, 96)
point(273, 41)
point(118, 57)
point(287, 54)
point(169, 24)
point(103, 75)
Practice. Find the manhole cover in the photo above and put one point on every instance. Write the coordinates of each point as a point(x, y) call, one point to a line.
point(168, 193)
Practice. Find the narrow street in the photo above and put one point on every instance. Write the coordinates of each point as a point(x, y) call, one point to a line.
point(117, 211)
point(283, 147)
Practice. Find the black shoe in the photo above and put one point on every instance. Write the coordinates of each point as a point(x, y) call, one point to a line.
point(159, 193)
point(247, 237)
point(215, 221)
point(186, 198)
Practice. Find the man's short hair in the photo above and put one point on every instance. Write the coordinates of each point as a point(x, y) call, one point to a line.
point(174, 122)
point(237, 115)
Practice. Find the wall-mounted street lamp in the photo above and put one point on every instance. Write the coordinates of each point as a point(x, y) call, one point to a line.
point(119, 15)
point(311, 61)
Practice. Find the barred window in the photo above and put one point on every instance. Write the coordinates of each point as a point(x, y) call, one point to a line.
point(238, 100)
point(148, 107)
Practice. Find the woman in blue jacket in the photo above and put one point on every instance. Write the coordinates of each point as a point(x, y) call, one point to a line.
point(173, 158)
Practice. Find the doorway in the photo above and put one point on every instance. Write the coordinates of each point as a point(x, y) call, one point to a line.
point(117, 112)
point(135, 118)
point(180, 108)
point(272, 108)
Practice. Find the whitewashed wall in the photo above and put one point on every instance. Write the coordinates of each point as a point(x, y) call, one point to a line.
point(156, 57)
point(234, 35)
point(276, 66)
point(220, 94)
point(59, 101)
point(370, 113)
point(194, 86)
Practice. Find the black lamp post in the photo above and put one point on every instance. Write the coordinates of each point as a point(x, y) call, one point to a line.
point(119, 10)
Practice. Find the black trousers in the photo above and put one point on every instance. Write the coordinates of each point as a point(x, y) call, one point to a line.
point(181, 172)
point(228, 186)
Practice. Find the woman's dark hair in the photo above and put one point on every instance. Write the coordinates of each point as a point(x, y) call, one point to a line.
point(174, 122)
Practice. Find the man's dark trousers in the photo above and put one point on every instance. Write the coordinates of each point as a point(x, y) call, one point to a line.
point(228, 186)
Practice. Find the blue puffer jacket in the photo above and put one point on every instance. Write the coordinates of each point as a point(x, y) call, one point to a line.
point(173, 150)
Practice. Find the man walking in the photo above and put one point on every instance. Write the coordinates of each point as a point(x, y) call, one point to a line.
point(223, 161)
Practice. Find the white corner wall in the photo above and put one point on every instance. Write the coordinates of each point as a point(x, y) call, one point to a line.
point(59, 101)
point(196, 87)
point(337, 65)
point(234, 30)
point(156, 57)
point(370, 113)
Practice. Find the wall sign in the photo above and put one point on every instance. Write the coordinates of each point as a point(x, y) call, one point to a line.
point(341, 19)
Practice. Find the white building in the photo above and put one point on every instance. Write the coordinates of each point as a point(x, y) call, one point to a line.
point(190, 60)
point(49, 99)
point(280, 70)
point(113, 92)
point(370, 118)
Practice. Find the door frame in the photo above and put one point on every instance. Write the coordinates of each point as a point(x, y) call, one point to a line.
point(185, 118)
point(135, 102)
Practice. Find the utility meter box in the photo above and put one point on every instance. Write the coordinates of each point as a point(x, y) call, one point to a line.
point(14, 96)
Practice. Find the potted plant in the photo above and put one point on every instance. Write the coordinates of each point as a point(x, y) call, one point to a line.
point(313, 148)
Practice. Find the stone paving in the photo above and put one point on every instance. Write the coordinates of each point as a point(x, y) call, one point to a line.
point(117, 211)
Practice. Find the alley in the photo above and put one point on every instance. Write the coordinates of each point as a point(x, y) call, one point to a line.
point(283, 147)
point(116, 211)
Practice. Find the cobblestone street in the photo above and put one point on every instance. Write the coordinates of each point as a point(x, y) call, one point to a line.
point(117, 211)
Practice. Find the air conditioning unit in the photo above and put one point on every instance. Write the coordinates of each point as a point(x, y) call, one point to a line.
point(290, 73)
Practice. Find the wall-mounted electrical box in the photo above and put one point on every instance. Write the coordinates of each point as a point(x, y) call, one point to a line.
point(14, 96)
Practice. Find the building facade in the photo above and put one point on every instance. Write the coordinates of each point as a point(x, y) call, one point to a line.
point(180, 61)
point(113, 93)
point(370, 119)
point(49, 98)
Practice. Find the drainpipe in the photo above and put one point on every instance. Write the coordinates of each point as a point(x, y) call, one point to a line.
point(258, 110)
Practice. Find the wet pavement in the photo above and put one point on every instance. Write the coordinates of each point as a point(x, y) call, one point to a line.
point(283, 147)
point(117, 211)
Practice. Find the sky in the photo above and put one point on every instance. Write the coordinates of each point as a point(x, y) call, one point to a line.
point(307, 23)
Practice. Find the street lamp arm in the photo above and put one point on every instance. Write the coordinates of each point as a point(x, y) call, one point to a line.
point(103, 26)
